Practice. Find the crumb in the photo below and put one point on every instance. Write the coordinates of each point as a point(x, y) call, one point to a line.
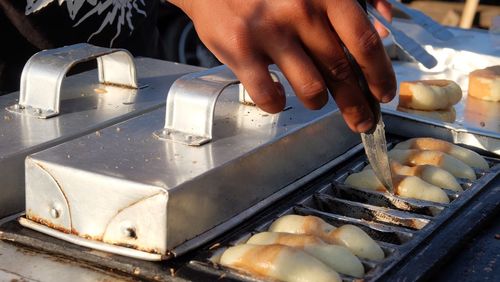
point(214, 246)
point(100, 90)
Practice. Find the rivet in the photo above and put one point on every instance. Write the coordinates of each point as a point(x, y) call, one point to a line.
point(55, 213)
point(16, 107)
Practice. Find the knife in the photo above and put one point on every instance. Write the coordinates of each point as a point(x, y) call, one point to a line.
point(373, 141)
point(405, 42)
point(434, 28)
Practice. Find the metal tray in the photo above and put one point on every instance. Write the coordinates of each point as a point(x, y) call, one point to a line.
point(153, 193)
point(467, 51)
point(53, 108)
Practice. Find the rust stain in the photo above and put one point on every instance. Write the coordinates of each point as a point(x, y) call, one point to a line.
point(60, 189)
point(46, 222)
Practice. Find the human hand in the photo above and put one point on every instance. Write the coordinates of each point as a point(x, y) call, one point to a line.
point(304, 38)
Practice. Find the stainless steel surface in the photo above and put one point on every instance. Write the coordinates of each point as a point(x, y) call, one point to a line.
point(434, 28)
point(414, 126)
point(252, 156)
point(44, 73)
point(191, 104)
point(399, 225)
point(477, 122)
point(86, 106)
point(471, 114)
point(376, 151)
point(22, 264)
point(406, 43)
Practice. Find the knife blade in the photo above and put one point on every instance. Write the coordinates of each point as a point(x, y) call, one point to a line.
point(407, 44)
point(434, 28)
point(374, 141)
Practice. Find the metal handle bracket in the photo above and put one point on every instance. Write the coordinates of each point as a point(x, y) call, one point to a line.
point(43, 75)
point(191, 105)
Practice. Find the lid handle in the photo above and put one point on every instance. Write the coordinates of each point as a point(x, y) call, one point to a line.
point(45, 71)
point(191, 105)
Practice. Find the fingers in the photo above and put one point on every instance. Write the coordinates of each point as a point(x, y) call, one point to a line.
point(360, 37)
point(339, 76)
point(266, 94)
point(385, 9)
point(300, 71)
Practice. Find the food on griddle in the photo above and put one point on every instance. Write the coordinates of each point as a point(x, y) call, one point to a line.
point(350, 236)
point(448, 115)
point(467, 156)
point(339, 258)
point(429, 95)
point(428, 173)
point(485, 84)
point(278, 262)
point(439, 159)
point(404, 186)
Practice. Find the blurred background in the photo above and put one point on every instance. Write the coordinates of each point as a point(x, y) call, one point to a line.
point(183, 45)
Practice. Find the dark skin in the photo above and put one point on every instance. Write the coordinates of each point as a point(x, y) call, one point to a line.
point(243, 34)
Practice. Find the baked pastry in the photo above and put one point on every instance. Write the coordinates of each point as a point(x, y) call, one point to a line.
point(448, 115)
point(339, 258)
point(467, 156)
point(429, 95)
point(428, 173)
point(485, 84)
point(350, 236)
point(278, 262)
point(436, 158)
point(404, 186)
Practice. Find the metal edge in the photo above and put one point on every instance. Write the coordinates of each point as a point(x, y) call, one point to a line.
point(90, 243)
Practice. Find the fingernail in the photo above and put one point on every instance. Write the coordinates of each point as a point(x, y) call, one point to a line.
point(387, 99)
point(280, 88)
point(365, 125)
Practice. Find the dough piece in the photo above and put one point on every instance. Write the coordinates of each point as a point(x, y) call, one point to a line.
point(429, 95)
point(436, 158)
point(448, 115)
point(485, 84)
point(428, 173)
point(404, 186)
point(467, 156)
point(278, 262)
point(350, 236)
point(339, 258)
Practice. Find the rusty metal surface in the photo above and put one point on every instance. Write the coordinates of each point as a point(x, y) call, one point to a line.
point(127, 163)
point(86, 106)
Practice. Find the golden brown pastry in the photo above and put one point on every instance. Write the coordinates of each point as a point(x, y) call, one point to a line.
point(404, 186)
point(436, 158)
point(429, 95)
point(278, 262)
point(448, 115)
point(485, 84)
point(350, 236)
point(469, 157)
point(339, 258)
point(428, 173)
